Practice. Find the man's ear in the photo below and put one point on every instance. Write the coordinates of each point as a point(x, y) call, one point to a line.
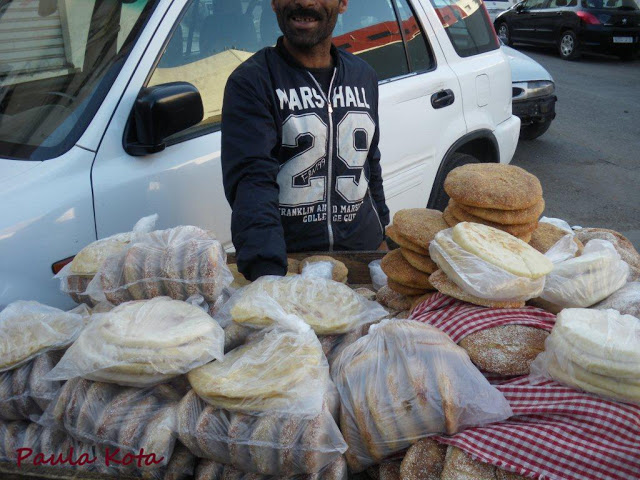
point(273, 5)
point(342, 7)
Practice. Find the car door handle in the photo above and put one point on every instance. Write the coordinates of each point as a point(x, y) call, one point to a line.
point(442, 99)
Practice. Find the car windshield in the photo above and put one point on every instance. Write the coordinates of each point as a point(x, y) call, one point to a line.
point(611, 4)
point(57, 61)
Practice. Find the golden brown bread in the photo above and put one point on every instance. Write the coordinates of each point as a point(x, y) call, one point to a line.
point(423, 461)
point(404, 289)
point(400, 271)
point(504, 217)
point(419, 225)
point(515, 230)
point(493, 185)
point(505, 350)
point(340, 271)
point(547, 235)
point(420, 262)
point(403, 242)
point(393, 300)
point(458, 465)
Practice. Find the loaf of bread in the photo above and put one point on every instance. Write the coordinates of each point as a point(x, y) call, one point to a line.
point(423, 461)
point(404, 381)
point(143, 343)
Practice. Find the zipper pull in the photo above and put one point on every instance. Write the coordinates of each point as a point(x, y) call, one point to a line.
point(330, 106)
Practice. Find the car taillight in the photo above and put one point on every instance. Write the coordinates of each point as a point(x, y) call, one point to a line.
point(59, 265)
point(588, 18)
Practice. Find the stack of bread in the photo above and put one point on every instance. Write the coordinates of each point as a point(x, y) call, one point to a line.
point(142, 343)
point(597, 351)
point(269, 408)
point(212, 470)
point(502, 196)
point(408, 268)
point(486, 266)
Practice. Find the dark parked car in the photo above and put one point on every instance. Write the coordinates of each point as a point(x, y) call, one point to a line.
point(573, 26)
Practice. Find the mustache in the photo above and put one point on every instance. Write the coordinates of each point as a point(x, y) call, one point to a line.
point(304, 12)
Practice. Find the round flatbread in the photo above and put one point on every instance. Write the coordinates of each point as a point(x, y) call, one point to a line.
point(493, 185)
point(419, 262)
point(399, 270)
point(393, 300)
point(393, 234)
point(502, 250)
point(463, 216)
point(503, 217)
point(405, 290)
point(423, 461)
point(505, 350)
point(442, 283)
point(419, 225)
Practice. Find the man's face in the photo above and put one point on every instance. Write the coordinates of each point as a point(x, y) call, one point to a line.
point(306, 23)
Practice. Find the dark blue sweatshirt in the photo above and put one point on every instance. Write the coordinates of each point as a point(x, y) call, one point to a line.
point(301, 171)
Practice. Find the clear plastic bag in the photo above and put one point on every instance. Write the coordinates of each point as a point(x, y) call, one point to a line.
point(77, 275)
point(626, 300)
point(125, 418)
point(24, 393)
point(178, 262)
point(262, 442)
point(597, 351)
point(318, 269)
point(378, 277)
point(143, 343)
point(564, 249)
point(279, 369)
point(29, 328)
point(585, 280)
point(212, 470)
point(405, 381)
point(478, 277)
point(558, 222)
point(329, 307)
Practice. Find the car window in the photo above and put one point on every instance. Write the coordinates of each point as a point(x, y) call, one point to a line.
point(468, 26)
point(370, 30)
point(614, 4)
point(535, 4)
point(420, 55)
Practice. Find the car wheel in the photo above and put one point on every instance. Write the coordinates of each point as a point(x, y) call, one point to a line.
point(439, 198)
point(534, 130)
point(503, 33)
point(568, 46)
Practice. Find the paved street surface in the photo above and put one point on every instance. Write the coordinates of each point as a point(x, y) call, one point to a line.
point(589, 160)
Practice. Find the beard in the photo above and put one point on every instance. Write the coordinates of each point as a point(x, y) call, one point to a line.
point(306, 39)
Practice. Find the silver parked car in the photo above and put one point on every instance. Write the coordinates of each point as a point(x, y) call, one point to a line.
point(534, 98)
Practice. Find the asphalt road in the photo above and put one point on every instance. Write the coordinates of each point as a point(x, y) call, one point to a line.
point(589, 160)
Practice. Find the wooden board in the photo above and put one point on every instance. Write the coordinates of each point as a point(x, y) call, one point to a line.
point(356, 262)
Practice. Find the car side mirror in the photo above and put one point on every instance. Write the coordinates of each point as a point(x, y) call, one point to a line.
point(520, 8)
point(159, 112)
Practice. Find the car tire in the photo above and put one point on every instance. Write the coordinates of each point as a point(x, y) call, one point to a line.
point(504, 34)
point(439, 198)
point(534, 130)
point(568, 45)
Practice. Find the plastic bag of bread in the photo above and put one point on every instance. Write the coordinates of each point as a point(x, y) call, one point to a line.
point(212, 470)
point(585, 280)
point(264, 443)
point(76, 276)
point(404, 381)
point(28, 329)
point(516, 271)
point(597, 351)
point(125, 418)
point(24, 393)
point(143, 343)
point(178, 262)
point(329, 307)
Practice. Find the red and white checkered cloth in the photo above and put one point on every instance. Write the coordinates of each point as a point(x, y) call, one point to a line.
point(558, 433)
point(459, 319)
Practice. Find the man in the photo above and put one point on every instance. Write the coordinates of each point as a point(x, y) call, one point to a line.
point(300, 154)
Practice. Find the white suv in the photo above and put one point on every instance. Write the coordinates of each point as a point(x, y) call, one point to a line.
point(92, 137)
